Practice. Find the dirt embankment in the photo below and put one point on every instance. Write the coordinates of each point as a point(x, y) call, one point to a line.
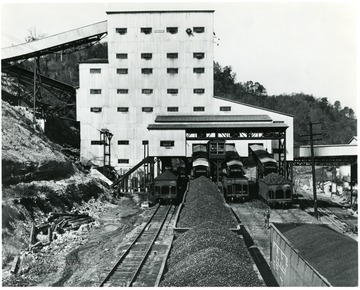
point(38, 179)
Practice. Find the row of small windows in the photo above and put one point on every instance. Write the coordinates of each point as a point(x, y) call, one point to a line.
point(171, 70)
point(147, 91)
point(150, 109)
point(171, 30)
point(172, 55)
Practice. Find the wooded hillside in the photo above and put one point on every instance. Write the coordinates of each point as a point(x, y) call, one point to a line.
point(338, 124)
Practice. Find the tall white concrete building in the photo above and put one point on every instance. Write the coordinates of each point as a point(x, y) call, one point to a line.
point(160, 63)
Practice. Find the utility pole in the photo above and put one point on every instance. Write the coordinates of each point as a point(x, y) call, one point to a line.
point(313, 170)
point(34, 100)
point(311, 135)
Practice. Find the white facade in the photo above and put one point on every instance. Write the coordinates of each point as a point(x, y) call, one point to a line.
point(123, 90)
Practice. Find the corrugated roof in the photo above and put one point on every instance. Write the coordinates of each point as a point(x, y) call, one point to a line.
point(185, 126)
point(212, 118)
point(332, 254)
point(253, 106)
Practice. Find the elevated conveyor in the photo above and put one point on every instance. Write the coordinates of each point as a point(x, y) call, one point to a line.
point(48, 83)
point(53, 43)
point(148, 159)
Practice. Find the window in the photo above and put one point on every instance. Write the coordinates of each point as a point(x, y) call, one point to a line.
point(122, 91)
point(147, 109)
point(123, 142)
point(225, 109)
point(172, 55)
point(146, 30)
point(122, 71)
point(123, 160)
point(172, 70)
point(146, 71)
point(95, 70)
point(96, 142)
point(121, 55)
point(199, 109)
point(199, 70)
point(95, 109)
point(95, 91)
point(147, 91)
point(167, 143)
point(145, 142)
point(146, 56)
point(172, 109)
point(121, 31)
point(199, 29)
point(199, 91)
point(172, 30)
point(172, 91)
point(199, 55)
point(123, 109)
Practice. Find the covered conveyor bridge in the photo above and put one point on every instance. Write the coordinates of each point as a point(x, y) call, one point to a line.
point(336, 154)
point(54, 43)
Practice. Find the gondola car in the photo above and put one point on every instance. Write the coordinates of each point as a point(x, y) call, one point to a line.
point(235, 183)
point(265, 162)
point(273, 188)
point(200, 162)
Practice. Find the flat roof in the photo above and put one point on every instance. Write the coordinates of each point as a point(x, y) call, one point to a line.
point(212, 118)
point(160, 11)
point(185, 126)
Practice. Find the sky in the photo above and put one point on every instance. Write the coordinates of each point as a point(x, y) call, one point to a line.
point(288, 47)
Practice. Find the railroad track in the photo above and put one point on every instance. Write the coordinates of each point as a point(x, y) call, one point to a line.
point(137, 266)
point(329, 215)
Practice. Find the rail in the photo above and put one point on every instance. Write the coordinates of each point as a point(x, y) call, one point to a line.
point(128, 267)
point(342, 226)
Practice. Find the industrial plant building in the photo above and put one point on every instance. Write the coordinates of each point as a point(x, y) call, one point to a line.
point(154, 94)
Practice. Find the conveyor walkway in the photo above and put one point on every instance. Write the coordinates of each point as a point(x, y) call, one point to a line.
point(53, 43)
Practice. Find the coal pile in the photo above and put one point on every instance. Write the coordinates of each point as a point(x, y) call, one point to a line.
point(210, 256)
point(204, 203)
point(273, 178)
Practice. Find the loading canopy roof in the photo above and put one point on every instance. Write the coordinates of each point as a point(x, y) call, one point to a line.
point(209, 126)
point(212, 118)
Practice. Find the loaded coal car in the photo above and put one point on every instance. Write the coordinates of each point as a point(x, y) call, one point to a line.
point(170, 185)
point(169, 188)
point(275, 189)
point(235, 183)
point(312, 255)
point(264, 161)
point(200, 162)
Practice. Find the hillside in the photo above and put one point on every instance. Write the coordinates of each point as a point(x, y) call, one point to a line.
point(338, 124)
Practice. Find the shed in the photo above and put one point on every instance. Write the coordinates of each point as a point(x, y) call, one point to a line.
point(313, 255)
